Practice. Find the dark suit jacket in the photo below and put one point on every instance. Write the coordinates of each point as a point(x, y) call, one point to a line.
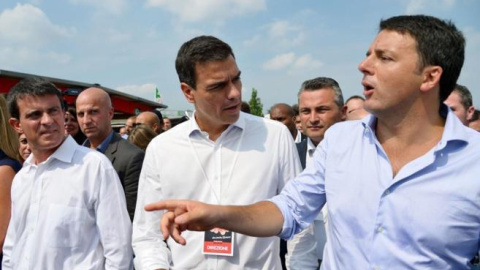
point(127, 159)
point(302, 152)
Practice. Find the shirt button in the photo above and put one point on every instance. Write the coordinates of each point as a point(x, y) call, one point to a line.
point(380, 229)
point(376, 267)
point(387, 192)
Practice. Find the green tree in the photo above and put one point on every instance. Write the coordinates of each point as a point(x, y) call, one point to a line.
point(256, 106)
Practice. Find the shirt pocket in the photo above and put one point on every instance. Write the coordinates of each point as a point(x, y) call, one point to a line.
point(64, 225)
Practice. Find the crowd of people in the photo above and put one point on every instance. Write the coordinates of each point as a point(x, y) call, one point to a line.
point(384, 181)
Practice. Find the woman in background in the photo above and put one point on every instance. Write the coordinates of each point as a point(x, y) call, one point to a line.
point(72, 127)
point(9, 166)
point(24, 148)
point(141, 136)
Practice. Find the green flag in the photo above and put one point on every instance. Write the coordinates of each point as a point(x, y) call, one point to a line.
point(158, 97)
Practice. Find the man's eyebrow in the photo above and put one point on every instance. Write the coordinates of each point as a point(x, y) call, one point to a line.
point(238, 75)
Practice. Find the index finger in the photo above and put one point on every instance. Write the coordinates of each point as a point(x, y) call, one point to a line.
point(162, 205)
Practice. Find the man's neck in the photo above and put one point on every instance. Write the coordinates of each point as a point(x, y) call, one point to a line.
point(408, 137)
point(214, 131)
point(40, 156)
point(411, 128)
point(95, 143)
point(316, 142)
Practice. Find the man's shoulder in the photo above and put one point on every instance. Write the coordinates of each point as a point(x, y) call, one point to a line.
point(347, 128)
point(257, 123)
point(177, 133)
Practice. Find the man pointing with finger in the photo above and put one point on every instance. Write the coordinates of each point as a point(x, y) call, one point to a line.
point(220, 156)
point(401, 185)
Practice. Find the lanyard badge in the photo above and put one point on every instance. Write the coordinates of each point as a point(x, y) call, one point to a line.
point(218, 241)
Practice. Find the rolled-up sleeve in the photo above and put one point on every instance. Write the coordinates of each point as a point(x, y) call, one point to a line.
point(302, 198)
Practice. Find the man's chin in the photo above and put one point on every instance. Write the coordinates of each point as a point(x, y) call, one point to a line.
point(232, 118)
point(52, 144)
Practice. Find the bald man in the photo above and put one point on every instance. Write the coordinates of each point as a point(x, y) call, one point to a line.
point(150, 119)
point(95, 113)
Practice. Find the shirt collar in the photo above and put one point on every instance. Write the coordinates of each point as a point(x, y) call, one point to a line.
point(104, 145)
point(454, 129)
point(63, 153)
point(310, 146)
point(193, 125)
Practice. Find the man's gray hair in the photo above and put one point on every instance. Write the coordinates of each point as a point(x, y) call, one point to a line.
point(321, 83)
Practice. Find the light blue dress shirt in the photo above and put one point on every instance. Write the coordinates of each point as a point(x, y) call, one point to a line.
point(426, 217)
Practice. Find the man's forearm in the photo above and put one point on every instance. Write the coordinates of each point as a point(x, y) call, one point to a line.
point(262, 219)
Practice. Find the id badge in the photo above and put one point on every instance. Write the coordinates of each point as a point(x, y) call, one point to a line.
point(218, 242)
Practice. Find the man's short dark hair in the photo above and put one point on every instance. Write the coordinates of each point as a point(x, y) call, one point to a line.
point(199, 50)
point(465, 96)
point(439, 43)
point(320, 83)
point(31, 86)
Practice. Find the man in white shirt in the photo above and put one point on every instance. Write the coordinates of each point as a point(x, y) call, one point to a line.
point(320, 102)
point(68, 207)
point(219, 156)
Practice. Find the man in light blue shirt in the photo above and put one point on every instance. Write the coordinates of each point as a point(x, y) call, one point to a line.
point(402, 185)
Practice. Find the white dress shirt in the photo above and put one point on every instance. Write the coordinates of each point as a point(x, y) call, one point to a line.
point(251, 161)
point(298, 138)
point(68, 212)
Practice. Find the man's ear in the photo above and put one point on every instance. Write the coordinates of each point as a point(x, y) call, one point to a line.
point(431, 78)
point(188, 92)
point(343, 113)
point(470, 112)
point(15, 123)
point(111, 112)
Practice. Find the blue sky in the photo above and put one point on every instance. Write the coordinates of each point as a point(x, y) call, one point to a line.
point(130, 45)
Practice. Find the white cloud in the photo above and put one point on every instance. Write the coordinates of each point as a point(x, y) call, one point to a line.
point(28, 24)
point(280, 28)
point(107, 6)
point(280, 61)
point(417, 6)
point(116, 36)
point(306, 61)
point(146, 91)
point(26, 32)
point(292, 61)
point(278, 35)
point(15, 58)
point(208, 10)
